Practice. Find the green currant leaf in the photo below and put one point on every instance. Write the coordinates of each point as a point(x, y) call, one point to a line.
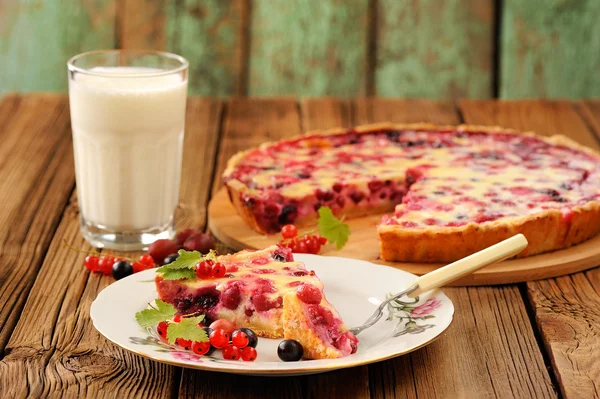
point(177, 274)
point(150, 317)
point(332, 228)
point(185, 265)
point(186, 260)
point(187, 328)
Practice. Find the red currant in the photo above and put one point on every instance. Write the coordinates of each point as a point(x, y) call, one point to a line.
point(204, 268)
point(162, 329)
point(223, 324)
point(177, 318)
point(240, 339)
point(106, 263)
point(310, 294)
point(138, 267)
point(301, 247)
point(313, 245)
point(289, 231)
point(147, 260)
point(219, 338)
point(91, 263)
point(231, 352)
point(322, 240)
point(217, 270)
point(200, 348)
point(248, 354)
point(184, 343)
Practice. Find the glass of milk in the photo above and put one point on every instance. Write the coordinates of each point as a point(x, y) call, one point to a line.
point(127, 117)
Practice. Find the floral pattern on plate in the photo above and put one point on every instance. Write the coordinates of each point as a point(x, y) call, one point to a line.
point(355, 287)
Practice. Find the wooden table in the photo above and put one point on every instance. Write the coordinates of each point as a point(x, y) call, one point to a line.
point(539, 339)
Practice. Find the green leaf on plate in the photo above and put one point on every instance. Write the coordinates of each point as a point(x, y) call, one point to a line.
point(187, 328)
point(150, 317)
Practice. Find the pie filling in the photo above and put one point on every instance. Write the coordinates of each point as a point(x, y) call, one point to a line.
point(431, 178)
point(329, 329)
point(253, 288)
point(251, 295)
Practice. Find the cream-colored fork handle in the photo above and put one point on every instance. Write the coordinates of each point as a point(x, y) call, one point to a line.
point(444, 275)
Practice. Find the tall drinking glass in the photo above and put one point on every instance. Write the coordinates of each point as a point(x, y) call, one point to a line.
point(127, 117)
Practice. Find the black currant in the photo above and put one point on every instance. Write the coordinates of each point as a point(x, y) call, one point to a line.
point(121, 269)
point(290, 350)
point(252, 337)
point(170, 259)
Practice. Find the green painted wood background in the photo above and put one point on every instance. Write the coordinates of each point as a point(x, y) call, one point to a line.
point(395, 48)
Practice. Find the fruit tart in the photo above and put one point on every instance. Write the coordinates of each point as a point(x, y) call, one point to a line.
point(449, 190)
point(267, 292)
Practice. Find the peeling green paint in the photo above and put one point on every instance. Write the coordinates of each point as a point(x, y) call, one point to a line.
point(37, 38)
point(308, 47)
point(550, 48)
point(208, 34)
point(434, 48)
point(428, 48)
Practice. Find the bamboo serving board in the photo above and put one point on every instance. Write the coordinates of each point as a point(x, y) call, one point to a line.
point(228, 227)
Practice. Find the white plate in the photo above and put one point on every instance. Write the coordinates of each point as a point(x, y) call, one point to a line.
point(355, 288)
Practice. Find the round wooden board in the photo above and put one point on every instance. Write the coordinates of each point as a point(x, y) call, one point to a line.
point(228, 227)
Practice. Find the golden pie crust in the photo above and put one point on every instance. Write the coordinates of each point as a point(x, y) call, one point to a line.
point(545, 230)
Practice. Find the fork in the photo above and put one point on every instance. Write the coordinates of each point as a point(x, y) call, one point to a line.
point(449, 273)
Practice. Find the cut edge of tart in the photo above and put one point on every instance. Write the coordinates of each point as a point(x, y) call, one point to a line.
point(260, 291)
point(546, 230)
point(318, 327)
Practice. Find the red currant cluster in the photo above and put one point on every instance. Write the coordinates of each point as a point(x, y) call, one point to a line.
point(306, 244)
point(210, 269)
point(105, 264)
point(160, 252)
point(222, 334)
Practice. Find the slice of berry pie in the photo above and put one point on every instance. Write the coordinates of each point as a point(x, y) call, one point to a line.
point(270, 293)
point(453, 190)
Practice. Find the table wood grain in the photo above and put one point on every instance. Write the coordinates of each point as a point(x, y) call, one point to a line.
point(539, 339)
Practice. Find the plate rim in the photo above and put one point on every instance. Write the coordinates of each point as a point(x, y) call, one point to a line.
point(279, 372)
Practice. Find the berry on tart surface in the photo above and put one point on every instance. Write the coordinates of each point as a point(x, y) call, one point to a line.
point(443, 185)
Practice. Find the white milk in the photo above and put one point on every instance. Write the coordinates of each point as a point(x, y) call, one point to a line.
point(128, 142)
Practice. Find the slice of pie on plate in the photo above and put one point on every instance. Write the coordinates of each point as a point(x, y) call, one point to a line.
point(270, 293)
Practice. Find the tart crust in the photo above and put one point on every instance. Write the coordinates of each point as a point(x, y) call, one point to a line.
point(546, 231)
point(297, 328)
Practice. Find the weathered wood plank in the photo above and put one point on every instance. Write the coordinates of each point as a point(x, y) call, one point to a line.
point(251, 122)
point(39, 37)
point(212, 35)
point(590, 112)
point(566, 308)
point(568, 313)
point(543, 117)
point(309, 47)
point(55, 350)
point(36, 179)
point(247, 123)
point(436, 49)
point(490, 349)
point(203, 122)
point(353, 382)
point(550, 49)
point(325, 113)
point(141, 24)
